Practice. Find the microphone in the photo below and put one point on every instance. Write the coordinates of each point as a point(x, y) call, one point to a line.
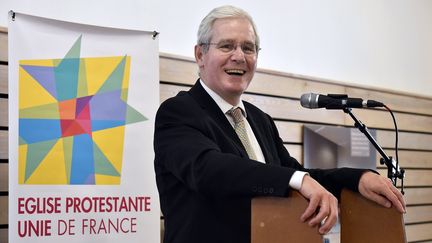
point(335, 101)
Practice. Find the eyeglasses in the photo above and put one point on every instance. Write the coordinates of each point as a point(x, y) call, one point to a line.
point(229, 47)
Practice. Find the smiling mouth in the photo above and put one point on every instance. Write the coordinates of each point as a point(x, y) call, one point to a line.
point(237, 72)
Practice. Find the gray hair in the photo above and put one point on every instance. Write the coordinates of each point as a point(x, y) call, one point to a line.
point(227, 11)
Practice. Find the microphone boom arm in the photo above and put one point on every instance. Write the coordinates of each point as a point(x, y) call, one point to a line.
point(393, 171)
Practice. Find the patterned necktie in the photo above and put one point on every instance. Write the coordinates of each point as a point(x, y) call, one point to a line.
point(240, 129)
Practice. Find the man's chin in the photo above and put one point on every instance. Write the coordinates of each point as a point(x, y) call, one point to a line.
point(238, 91)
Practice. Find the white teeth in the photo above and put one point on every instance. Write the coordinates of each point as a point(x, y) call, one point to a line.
point(235, 71)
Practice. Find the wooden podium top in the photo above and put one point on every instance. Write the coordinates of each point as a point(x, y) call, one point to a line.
point(277, 220)
point(365, 221)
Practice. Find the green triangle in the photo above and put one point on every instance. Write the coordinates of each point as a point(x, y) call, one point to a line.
point(66, 78)
point(56, 62)
point(49, 111)
point(102, 165)
point(75, 50)
point(66, 73)
point(22, 141)
point(82, 79)
point(67, 148)
point(133, 115)
point(35, 154)
point(73, 53)
point(114, 81)
point(124, 95)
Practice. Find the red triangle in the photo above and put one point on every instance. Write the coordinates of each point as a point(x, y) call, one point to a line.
point(65, 124)
point(71, 128)
point(84, 113)
point(85, 125)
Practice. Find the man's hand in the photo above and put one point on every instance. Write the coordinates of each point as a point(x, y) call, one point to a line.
point(381, 190)
point(320, 201)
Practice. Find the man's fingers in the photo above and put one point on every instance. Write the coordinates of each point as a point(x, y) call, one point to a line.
point(380, 200)
point(321, 202)
point(310, 210)
point(400, 205)
point(324, 211)
point(331, 219)
point(393, 195)
point(328, 224)
point(327, 213)
point(381, 190)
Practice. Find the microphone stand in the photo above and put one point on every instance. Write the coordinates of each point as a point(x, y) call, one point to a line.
point(393, 170)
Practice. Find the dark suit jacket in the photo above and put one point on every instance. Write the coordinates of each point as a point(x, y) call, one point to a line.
point(204, 177)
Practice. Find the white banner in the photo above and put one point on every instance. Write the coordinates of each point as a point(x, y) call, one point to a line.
point(82, 101)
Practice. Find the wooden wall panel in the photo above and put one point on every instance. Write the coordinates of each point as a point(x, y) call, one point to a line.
point(290, 131)
point(276, 107)
point(281, 108)
point(4, 235)
point(415, 196)
point(184, 71)
point(3, 213)
point(3, 139)
point(3, 112)
point(3, 79)
point(273, 83)
point(418, 177)
point(416, 214)
point(4, 176)
point(414, 177)
point(171, 69)
point(168, 91)
point(3, 45)
point(407, 140)
point(419, 232)
point(295, 151)
point(411, 159)
point(289, 109)
point(381, 119)
point(394, 101)
point(3, 144)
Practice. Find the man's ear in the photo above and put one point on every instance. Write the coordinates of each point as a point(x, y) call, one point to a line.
point(199, 55)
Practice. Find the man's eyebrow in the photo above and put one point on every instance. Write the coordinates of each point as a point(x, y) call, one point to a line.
point(226, 40)
point(233, 41)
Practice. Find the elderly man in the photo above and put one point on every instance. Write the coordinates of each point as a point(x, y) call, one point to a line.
point(215, 152)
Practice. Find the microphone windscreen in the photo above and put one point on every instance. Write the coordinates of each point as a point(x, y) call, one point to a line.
point(309, 100)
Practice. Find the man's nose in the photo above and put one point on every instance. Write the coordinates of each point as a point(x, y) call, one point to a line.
point(238, 54)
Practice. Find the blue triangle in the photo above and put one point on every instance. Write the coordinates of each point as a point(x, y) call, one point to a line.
point(44, 76)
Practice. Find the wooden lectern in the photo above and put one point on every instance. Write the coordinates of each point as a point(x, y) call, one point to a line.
point(277, 220)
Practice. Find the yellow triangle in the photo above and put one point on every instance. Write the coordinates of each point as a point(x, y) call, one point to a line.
point(98, 69)
point(107, 180)
point(31, 93)
point(125, 83)
point(110, 141)
point(52, 169)
point(22, 156)
point(40, 62)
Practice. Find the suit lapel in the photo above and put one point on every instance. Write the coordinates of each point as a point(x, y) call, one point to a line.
point(258, 132)
point(211, 108)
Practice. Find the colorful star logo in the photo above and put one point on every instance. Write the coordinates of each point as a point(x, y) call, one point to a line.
point(72, 117)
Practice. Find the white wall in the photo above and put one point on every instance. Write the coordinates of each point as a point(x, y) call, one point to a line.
point(382, 43)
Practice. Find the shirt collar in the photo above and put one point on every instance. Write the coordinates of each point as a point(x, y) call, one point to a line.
point(223, 105)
